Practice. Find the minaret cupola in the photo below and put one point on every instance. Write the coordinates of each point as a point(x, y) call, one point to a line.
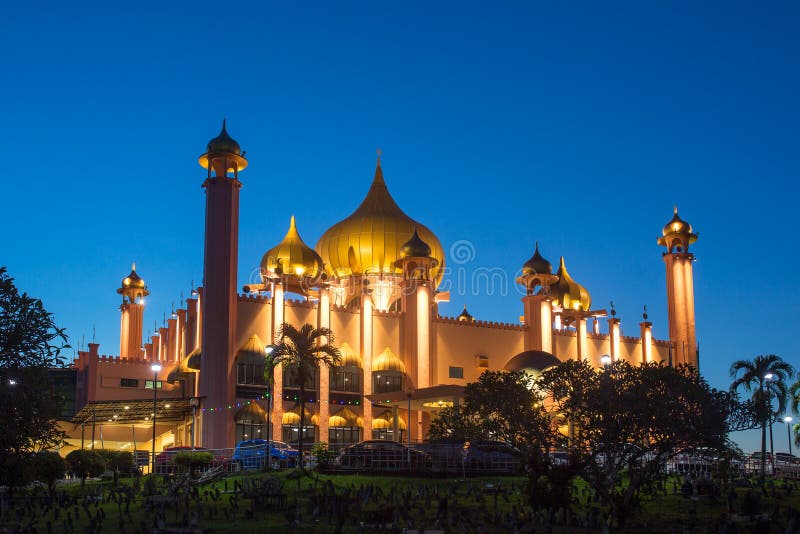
point(537, 272)
point(223, 155)
point(677, 234)
point(133, 287)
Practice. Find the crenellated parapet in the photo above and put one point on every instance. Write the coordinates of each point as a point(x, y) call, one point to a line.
point(254, 298)
point(479, 323)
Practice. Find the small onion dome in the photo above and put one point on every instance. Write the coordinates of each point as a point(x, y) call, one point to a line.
point(415, 247)
point(677, 227)
point(292, 417)
point(349, 358)
point(133, 280)
point(345, 418)
point(537, 264)
point(388, 361)
point(224, 143)
point(569, 294)
point(465, 315)
point(385, 421)
point(293, 256)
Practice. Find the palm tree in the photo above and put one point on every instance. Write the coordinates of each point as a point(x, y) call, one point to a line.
point(794, 400)
point(765, 377)
point(302, 351)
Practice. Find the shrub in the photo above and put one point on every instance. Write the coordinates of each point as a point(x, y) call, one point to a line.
point(121, 462)
point(191, 460)
point(86, 463)
point(321, 452)
point(48, 467)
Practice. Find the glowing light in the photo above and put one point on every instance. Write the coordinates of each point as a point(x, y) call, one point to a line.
point(155, 367)
point(787, 419)
point(768, 376)
point(167, 405)
point(605, 359)
point(127, 407)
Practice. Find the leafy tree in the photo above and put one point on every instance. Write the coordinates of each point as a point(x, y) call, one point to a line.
point(751, 375)
point(48, 467)
point(84, 463)
point(500, 406)
point(303, 351)
point(30, 344)
point(628, 420)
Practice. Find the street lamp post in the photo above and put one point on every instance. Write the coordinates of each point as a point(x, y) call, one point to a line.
point(788, 421)
point(193, 402)
point(155, 368)
point(270, 363)
point(767, 377)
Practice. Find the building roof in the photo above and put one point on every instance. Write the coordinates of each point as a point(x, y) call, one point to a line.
point(132, 411)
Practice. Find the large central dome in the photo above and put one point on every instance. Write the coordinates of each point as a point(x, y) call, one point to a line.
point(369, 240)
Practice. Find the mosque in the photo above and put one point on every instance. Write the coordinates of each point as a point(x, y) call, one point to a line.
point(372, 278)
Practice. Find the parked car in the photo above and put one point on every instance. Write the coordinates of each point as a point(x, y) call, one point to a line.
point(377, 455)
point(489, 457)
point(559, 458)
point(252, 454)
point(165, 461)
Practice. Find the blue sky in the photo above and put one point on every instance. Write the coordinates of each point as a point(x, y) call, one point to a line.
point(578, 125)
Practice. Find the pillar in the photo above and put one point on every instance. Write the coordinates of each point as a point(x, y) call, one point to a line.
point(613, 338)
point(646, 329)
point(539, 323)
point(366, 347)
point(324, 321)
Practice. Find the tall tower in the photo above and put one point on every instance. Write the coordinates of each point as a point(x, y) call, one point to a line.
point(417, 299)
point(676, 236)
point(537, 272)
point(217, 387)
point(133, 290)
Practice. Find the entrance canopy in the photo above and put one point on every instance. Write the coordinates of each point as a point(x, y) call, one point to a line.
point(424, 399)
point(132, 411)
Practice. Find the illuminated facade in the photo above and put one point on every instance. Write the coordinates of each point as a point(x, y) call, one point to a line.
point(372, 279)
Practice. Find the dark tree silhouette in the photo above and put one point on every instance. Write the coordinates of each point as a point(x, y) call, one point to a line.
point(30, 344)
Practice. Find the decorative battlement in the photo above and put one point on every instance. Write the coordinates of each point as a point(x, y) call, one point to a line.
point(481, 324)
point(253, 298)
point(293, 303)
point(343, 308)
point(387, 313)
point(565, 332)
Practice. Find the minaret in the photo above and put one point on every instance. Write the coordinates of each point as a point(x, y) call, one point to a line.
point(417, 300)
point(133, 290)
point(537, 272)
point(217, 379)
point(676, 236)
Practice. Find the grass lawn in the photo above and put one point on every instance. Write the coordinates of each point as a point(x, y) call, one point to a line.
point(480, 504)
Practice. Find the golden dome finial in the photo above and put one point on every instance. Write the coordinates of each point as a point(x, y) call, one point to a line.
point(223, 145)
point(567, 293)
point(537, 264)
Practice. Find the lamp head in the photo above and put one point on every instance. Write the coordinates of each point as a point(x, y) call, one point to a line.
point(156, 367)
point(787, 419)
point(605, 359)
point(768, 376)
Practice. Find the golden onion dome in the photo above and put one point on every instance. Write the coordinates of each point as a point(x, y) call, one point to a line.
point(224, 143)
point(293, 256)
point(537, 264)
point(415, 247)
point(133, 280)
point(676, 226)
point(370, 240)
point(569, 294)
point(465, 316)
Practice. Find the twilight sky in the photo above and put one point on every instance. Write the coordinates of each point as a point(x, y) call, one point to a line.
point(578, 125)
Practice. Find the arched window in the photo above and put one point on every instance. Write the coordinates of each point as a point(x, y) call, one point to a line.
point(251, 422)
